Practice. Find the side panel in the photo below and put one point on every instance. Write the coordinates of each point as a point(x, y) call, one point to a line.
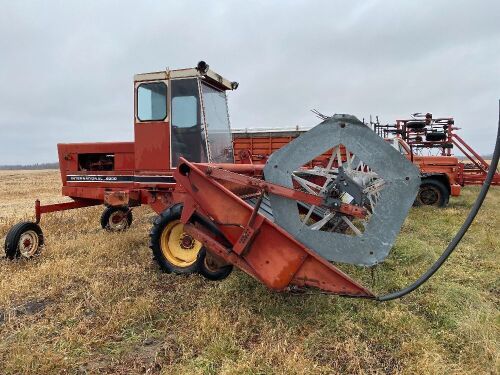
point(262, 145)
point(446, 165)
point(259, 146)
point(70, 156)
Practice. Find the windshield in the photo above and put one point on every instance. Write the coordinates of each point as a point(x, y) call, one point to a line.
point(217, 123)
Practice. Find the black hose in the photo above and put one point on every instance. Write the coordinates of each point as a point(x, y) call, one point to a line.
point(465, 226)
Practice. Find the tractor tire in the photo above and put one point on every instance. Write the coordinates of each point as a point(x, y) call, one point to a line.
point(435, 137)
point(116, 219)
point(415, 124)
point(174, 250)
point(209, 267)
point(432, 192)
point(23, 240)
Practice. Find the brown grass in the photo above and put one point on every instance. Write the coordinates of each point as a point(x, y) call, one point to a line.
point(95, 302)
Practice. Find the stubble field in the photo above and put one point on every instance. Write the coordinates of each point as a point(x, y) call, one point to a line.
point(95, 302)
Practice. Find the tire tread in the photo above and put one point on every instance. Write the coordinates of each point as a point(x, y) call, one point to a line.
point(12, 238)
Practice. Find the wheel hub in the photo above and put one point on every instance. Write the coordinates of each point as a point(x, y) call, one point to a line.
point(118, 221)
point(342, 185)
point(429, 196)
point(211, 264)
point(28, 243)
point(117, 218)
point(177, 246)
point(186, 241)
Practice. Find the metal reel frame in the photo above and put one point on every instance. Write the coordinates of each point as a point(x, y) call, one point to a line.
point(401, 180)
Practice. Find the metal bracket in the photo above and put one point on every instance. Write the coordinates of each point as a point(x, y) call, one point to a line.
point(250, 230)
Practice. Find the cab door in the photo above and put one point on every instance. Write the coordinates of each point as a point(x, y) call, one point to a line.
point(151, 129)
point(216, 116)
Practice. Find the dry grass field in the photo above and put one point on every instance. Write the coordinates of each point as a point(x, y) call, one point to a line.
point(95, 302)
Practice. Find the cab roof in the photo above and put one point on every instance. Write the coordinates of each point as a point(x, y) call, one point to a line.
point(207, 74)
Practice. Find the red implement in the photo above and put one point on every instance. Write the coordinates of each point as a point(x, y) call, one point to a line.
point(259, 247)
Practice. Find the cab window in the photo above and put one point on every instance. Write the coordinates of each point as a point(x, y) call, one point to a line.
point(187, 132)
point(184, 111)
point(152, 101)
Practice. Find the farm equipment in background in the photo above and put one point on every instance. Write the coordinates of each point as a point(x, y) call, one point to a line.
point(442, 173)
point(439, 173)
point(437, 137)
point(337, 193)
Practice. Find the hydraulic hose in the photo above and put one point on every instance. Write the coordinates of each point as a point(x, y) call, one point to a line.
point(461, 232)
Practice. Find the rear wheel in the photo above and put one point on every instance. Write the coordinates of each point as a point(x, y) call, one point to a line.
point(23, 240)
point(116, 219)
point(432, 193)
point(174, 250)
point(212, 267)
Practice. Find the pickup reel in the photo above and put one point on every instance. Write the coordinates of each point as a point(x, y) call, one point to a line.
point(359, 168)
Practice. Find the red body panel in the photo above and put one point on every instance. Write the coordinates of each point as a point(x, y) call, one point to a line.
point(448, 166)
point(152, 147)
point(68, 156)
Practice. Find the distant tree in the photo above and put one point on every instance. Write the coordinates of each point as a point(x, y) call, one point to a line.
point(30, 166)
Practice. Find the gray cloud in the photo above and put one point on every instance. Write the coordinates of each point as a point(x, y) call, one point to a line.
point(66, 68)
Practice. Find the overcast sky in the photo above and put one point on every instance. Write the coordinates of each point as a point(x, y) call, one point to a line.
point(66, 67)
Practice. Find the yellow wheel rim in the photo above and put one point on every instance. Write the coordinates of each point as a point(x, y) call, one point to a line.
point(178, 247)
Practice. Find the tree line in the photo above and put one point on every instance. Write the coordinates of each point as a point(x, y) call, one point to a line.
point(30, 166)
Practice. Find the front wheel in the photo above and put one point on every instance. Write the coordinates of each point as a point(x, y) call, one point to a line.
point(174, 250)
point(23, 240)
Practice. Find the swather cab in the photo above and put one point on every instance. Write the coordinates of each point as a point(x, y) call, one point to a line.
point(177, 113)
